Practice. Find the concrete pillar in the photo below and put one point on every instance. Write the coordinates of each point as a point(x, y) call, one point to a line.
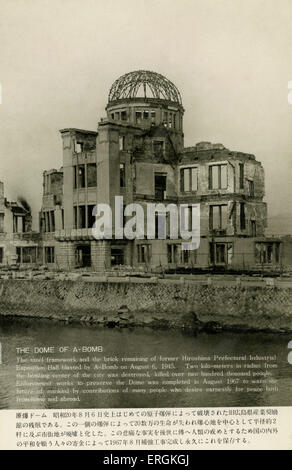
point(68, 173)
point(65, 255)
point(100, 255)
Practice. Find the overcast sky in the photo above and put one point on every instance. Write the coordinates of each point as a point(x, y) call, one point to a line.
point(230, 59)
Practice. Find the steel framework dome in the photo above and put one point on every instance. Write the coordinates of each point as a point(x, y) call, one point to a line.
point(146, 84)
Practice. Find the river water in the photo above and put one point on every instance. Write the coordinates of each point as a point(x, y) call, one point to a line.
point(145, 342)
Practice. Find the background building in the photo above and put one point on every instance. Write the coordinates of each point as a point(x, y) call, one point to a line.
point(18, 244)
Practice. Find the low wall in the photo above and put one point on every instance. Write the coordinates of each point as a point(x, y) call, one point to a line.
point(164, 304)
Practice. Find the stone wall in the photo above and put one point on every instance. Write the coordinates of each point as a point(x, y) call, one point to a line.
point(154, 304)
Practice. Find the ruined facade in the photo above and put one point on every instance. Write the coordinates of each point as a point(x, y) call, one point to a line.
point(138, 153)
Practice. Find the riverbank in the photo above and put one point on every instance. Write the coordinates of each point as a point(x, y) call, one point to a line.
point(158, 305)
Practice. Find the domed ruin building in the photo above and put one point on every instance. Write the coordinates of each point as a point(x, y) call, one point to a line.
point(138, 153)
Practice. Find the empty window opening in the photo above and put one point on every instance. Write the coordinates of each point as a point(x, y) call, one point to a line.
point(187, 217)
point(189, 179)
point(82, 217)
point(161, 225)
point(27, 254)
point(75, 217)
point(49, 254)
point(75, 178)
point(185, 256)
point(160, 187)
point(156, 226)
point(221, 253)
point(253, 228)
point(18, 223)
point(48, 221)
point(81, 176)
point(122, 175)
point(117, 256)
point(242, 216)
point(78, 147)
point(241, 176)
point(267, 252)
point(138, 117)
point(144, 253)
point(90, 217)
point(188, 257)
point(218, 176)
point(165, 120)
point(85, 176)
point(83, 256)
point(91, 175)
point(172, 253)
point(52, 215)
point(218, 217)
point(251, 188)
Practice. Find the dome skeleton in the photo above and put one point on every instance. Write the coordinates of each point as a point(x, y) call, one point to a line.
point(128, 85)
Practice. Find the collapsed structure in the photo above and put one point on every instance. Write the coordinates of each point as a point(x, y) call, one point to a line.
point(18, 244)
point(138, 152)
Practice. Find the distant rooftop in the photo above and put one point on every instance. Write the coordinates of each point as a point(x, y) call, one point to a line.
point(81, 131)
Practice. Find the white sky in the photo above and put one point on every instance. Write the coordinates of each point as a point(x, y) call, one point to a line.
point(230, 59)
